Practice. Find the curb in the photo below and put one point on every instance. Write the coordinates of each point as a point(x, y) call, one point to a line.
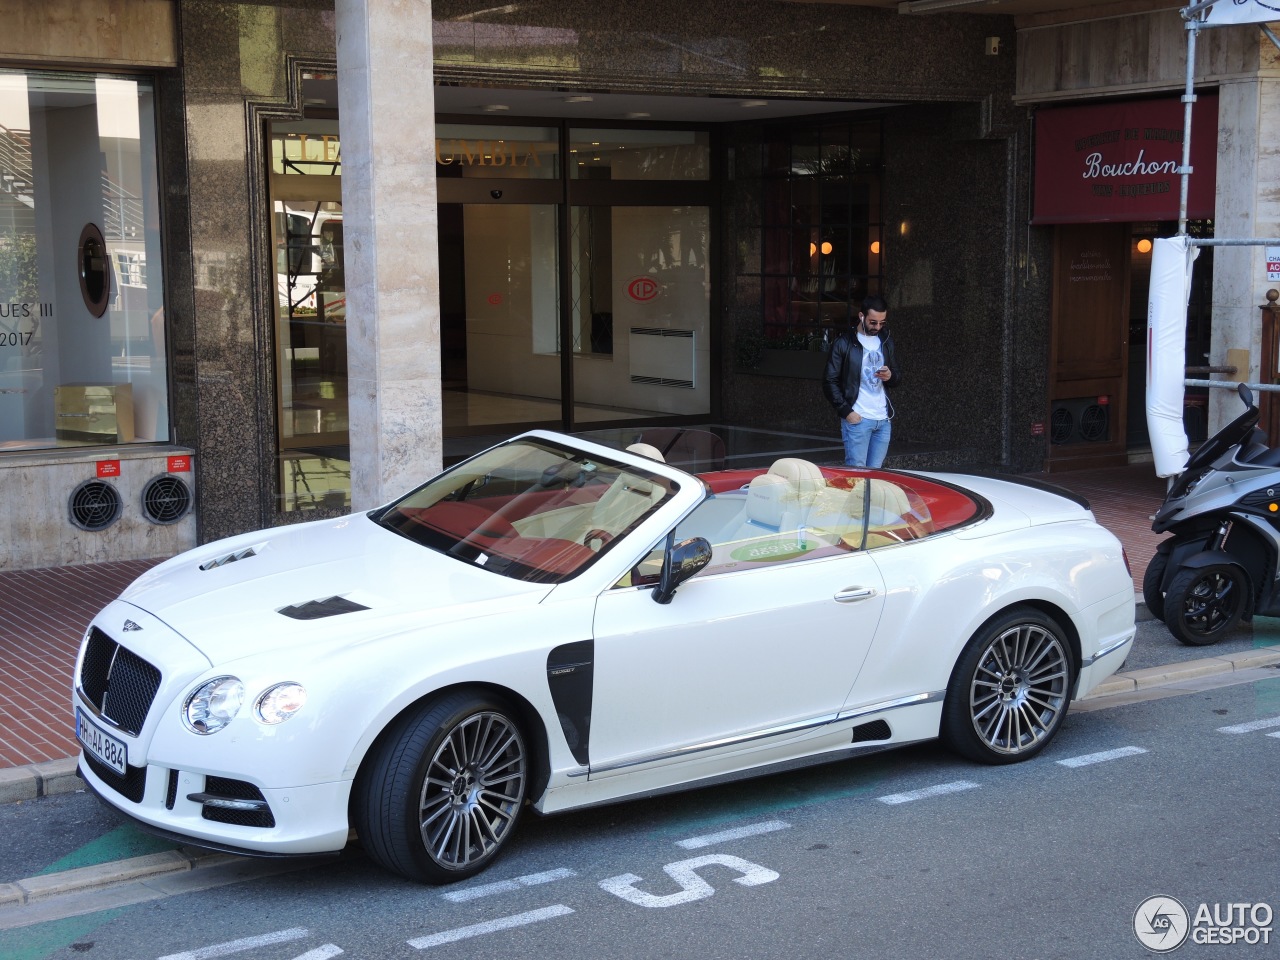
point(1186, 670)
point(39, 780)
point(34, 889)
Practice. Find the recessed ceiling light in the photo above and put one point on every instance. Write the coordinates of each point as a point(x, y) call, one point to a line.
point(581, 98)
point(754, 103)
point(494, 107)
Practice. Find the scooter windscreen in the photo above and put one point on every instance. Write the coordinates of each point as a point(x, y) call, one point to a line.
point(1234, 433)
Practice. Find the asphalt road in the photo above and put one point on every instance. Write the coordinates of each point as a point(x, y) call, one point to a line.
point(910, 854)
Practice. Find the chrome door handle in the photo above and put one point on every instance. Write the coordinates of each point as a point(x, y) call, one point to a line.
point(854, 594)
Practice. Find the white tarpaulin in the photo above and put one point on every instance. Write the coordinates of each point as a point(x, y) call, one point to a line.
point(1226, 12)
point(1171, 261)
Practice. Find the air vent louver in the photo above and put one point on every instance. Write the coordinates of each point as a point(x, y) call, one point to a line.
point(94, 505)
point(165, 499)
point(229, 558)
point(316, 609)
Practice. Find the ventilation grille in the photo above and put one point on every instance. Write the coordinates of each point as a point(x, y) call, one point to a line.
point(229, 558)
point(132, 786)
point(1080, 420)
point(225, 787)
point(94, 505)
point(166, 499)
point(318, 609)
point(875, 730)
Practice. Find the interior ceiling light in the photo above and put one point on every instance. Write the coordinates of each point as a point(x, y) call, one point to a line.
point(754, 103)
point(494, 107)
point(931, 6)
point(579, 99)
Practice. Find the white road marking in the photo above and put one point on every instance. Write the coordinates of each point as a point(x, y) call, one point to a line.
point(1088, 758)
point(490, 926)
point(1276, 734)
point(239, 946)
point(506, 886)
point(321, 953)
point(692, 886)
point(1252, 726)
point(954, 787)
point(736, 833)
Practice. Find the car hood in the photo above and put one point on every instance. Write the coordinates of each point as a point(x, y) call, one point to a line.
point(226, 598)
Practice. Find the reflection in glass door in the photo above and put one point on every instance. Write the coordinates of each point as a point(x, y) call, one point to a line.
point(311, 317)
point(640, 313)
point(500, 316)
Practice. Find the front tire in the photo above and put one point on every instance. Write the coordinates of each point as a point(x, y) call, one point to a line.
point(441, 793)
point(1010, 689)
point(1152, 595)
point(1204, 603)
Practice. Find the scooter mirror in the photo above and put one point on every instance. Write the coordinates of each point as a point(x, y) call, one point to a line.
point(1246, 395)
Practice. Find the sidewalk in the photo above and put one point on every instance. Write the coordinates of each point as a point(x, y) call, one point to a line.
point(44, 613)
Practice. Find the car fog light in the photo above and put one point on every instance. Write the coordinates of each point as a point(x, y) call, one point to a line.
point(281, 702)
point(214, 705)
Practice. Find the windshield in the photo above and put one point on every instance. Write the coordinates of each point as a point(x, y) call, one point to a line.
point(528, 509)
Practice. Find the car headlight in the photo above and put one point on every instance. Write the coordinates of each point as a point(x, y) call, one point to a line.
point(213, 705)
point(280, 702)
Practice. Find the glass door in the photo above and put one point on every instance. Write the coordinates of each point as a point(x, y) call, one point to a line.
point(640, 312)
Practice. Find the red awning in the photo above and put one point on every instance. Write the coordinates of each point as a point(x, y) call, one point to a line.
point(1118, 162)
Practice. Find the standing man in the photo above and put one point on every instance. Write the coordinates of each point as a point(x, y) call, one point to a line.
point(861, 364)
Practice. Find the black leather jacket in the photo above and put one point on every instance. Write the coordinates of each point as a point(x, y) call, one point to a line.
point(844, 371)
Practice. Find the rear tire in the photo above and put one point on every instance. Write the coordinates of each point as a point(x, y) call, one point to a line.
point(1010, 689)
point(1205, 603)
point(440, 794)
point(1152, 595)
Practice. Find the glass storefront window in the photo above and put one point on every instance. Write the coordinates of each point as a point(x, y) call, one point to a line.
point(639, 154)
point(508, 151)
point(311, 316)
point(82, 345)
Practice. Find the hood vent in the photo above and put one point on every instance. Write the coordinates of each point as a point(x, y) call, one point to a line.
point(229, 558)
point(318, 609)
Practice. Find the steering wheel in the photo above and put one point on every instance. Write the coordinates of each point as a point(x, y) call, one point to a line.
point(604, 536)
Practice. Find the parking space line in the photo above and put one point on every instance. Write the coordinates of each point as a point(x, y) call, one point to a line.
point(506, 886)
point(735, 833)
point(490, 926)
point(240, 946)
point(327, 952)
point(1086, 759)
point(1276, 734)
point(1251, 726)
point(954, 787)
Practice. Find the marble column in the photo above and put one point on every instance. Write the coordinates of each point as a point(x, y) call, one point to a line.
point(387, 104)
point(1247, 205)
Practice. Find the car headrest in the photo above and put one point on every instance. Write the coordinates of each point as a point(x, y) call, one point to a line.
point(647, 450)
point(768, 497)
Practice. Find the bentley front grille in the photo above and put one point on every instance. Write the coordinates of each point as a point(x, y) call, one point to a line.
point(118, 682)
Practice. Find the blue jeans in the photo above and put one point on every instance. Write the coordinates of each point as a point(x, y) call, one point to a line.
point(865, 442)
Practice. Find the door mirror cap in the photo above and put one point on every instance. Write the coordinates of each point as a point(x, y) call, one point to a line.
point(680, 562)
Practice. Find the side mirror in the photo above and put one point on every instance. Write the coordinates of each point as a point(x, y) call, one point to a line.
point(680, 562)
point(1246, 395)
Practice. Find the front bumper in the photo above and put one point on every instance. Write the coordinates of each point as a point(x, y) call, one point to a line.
point(305, 820)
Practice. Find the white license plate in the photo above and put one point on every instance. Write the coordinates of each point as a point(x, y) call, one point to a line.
point(101, 744)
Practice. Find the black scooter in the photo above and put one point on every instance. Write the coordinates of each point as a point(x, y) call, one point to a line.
point(1223, 510)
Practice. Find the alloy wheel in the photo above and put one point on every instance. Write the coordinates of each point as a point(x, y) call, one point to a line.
point(473, 790)
point(1019, 689)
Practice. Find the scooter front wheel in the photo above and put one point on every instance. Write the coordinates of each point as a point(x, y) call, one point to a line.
point(1204, 603)
point(1152, 595)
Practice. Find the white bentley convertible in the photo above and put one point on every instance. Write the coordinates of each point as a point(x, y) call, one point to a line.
point(554, 623)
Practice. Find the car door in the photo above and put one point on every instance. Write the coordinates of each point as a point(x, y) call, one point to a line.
point(742, 657)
